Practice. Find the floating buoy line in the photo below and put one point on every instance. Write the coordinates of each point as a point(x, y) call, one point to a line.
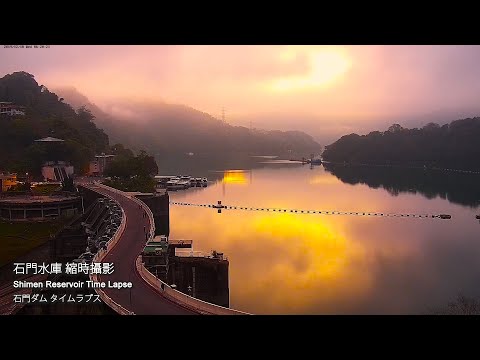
point(220, 207)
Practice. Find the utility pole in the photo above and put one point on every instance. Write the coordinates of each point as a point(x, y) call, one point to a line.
point(223, 114)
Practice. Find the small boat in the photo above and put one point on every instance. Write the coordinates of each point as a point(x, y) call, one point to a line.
point(184, 183)
point(174, 184)
point(316, 161)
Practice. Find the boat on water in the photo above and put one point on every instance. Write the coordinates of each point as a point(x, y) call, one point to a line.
point(180, 182)
point(174, 184)
point(316, 160)
point(184, 183)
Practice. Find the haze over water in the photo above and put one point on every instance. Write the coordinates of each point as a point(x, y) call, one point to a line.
point(330, 264)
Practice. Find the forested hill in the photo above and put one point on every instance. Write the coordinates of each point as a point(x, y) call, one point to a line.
point(455, 145)
point(164, 128)
point(46, 115)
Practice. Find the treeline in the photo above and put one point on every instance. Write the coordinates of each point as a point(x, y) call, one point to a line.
point(48, 115)
point(455, 145)
point(128, 172)
point(126, 164)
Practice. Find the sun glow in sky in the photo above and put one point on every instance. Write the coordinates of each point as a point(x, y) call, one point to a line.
point(326, 66)
point(327, 91)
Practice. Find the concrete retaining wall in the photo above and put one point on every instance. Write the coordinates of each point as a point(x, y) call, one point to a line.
point(182, 299)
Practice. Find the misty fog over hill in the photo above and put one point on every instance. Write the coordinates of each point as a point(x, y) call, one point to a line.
point(165, 128)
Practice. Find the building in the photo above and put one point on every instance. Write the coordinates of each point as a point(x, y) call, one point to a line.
point(10, 109)
point(34, 208)
point(7, 181)
point(100, 164)
point(55, 170)
point(195, 273)
point(201, 275)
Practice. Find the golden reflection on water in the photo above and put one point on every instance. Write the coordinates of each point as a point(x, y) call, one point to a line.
point(283, 263)
point(237, 177)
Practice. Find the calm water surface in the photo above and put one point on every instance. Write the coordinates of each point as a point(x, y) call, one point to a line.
point(321, 264)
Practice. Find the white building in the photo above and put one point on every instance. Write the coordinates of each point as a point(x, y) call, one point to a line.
point(8, 108)
point(100, 164)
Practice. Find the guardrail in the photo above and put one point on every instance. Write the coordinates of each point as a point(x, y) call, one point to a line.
point(151, 234)
point(100, 255)
point(180, 298)
point(164, 289)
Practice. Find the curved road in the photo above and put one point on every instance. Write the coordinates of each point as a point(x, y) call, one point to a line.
point(142, 299)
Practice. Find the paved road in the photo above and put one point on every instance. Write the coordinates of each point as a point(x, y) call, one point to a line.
point(142, 299)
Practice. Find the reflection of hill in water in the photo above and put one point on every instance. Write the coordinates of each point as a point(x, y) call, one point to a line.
point(457, 188)
point(212, 165)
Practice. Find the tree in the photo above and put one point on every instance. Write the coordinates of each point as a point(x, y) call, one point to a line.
point(395, 128)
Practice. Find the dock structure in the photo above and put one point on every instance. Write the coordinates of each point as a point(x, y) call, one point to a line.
point(198, 274)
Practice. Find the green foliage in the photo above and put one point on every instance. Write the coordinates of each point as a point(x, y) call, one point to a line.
point(45, 189)
point(21, 187)
point(453, 145)
point(126, 165)
point(18, 239)
point(130, 172)
point(46, 115)
point(137, 183)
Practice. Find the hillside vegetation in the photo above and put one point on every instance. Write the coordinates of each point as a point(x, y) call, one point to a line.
point(46, 115)
point(454, 145)
point(162, 128)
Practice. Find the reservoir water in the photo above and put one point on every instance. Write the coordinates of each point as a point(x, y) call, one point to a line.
point(290, 263)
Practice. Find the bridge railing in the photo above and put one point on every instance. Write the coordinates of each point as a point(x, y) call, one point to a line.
point(151, 233)
point(164, 289)
point(100, 255)
point(180, 298)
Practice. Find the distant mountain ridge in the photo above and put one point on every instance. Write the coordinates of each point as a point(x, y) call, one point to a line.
point(179, 128)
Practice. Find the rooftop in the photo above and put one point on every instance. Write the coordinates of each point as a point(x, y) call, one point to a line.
point(33, 199)
point(49, 139)
point(180, 243)
point(200, 254)
point(152, 248)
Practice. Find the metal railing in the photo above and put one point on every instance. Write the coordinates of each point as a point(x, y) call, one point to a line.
point(164, 289)
point(102, 253)
point(180, 298)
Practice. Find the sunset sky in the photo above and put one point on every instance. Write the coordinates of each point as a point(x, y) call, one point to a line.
point(326, 91)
